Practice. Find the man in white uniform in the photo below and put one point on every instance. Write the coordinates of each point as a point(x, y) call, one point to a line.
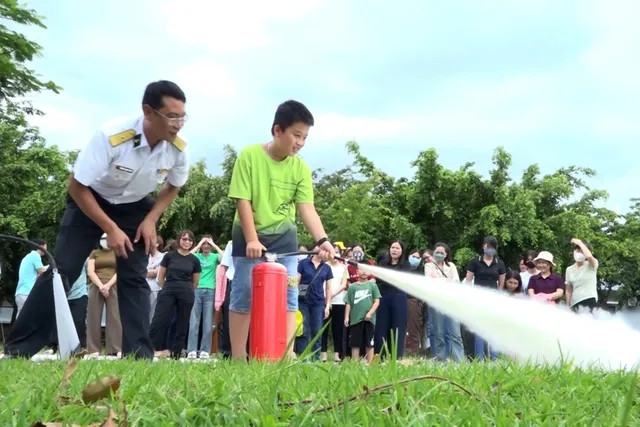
point(108, 193)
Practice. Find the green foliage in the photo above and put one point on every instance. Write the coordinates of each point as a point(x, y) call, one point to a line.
point(15, 51)
point(302, 393)
point(203, 205)
point(32, 189)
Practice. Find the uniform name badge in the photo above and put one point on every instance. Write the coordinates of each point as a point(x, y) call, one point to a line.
point(122, 172)
point(161, 175)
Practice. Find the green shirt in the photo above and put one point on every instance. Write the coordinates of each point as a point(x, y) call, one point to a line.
point(273, 188)
point(208, 274)
point(361, 296)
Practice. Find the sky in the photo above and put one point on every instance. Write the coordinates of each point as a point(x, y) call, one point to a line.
point(554, 83)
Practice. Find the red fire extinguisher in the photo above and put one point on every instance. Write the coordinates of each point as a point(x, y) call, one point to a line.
point(268, 330)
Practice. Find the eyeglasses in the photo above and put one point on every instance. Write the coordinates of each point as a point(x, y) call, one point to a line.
point(186, 239)
point(173, 120)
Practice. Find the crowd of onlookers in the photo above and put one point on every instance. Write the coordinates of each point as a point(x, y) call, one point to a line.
point(346, 309)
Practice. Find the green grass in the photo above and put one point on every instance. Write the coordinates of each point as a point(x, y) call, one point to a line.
point(173, 393)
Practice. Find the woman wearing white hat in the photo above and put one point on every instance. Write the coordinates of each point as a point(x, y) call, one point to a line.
point(547, 285)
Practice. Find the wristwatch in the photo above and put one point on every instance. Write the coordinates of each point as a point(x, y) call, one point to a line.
point(321, 241)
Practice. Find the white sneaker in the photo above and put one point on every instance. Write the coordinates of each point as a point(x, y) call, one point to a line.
point(192, 355)
point(204, 355)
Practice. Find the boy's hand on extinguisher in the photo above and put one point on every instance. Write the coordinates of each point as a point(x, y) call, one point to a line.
point(255, 249)
point(326, 251)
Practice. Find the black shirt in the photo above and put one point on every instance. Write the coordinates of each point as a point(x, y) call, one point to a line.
point(180, 268)
point(486, 275)
point(385, 287)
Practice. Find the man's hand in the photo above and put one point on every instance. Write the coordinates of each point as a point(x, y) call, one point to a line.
point(367, 317)
point(346, 323)
point(217, 318)
point(576, 242)
point(146, 230)
point(326, 312)
point(255, 249)
point(326, 251)
point(119, 242)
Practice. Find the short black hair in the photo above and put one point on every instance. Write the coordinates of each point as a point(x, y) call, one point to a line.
point(291, 112)
point(155, 91)
point(38, 241)
point(529, 255)
point(491, 241)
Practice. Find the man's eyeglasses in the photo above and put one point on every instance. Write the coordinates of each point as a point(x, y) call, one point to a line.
point(173, 120)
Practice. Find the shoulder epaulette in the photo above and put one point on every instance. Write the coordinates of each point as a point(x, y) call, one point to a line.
point(179, 144)
point(121, 137)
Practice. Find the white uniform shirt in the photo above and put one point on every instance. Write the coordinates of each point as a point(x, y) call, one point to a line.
point(121, 167)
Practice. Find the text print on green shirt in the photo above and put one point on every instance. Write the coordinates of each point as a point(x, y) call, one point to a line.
point(282, 194)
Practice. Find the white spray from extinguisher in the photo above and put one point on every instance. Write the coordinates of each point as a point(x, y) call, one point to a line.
point(528, 330)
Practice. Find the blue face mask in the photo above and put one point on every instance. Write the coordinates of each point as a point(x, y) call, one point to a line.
point(415, 262)
point(439, 257)
point(490, 252)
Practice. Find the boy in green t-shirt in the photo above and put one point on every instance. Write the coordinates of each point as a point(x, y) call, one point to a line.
point(268, 183)
point(361, 303)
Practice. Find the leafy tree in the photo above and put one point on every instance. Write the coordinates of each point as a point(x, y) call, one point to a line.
point(16, 79)
point(32, 189)
point(203, 205)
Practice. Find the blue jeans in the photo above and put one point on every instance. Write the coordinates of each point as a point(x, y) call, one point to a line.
point(447, 340)
point(479, 347)
point(240, 297)
point(202, 305)
point(312, 321)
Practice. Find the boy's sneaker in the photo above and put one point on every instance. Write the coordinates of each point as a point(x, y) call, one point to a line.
point(204, 355)
point(192, 355)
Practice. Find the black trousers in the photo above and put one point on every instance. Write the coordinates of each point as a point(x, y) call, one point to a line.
point(338, 331)
point(391, 320)
point(172, 298)
point(224, 341)
point(78, 308)
point(77, 237)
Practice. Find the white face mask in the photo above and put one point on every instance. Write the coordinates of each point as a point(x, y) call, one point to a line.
point(103, 244)
point(579, 257)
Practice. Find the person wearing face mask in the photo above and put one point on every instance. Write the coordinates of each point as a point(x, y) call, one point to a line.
point(530, 269)
point(488, 271)
point(414, 307)
point(103, 291)
point(447, 338)
point(581, 278)
point(357, 255)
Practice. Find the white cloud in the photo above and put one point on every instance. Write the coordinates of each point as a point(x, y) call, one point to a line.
point(613, 57)
point(463, 112)
point(206, 78)
point(68, 122)
point(229, 25)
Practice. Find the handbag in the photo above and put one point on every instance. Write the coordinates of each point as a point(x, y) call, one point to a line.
point(303, 290)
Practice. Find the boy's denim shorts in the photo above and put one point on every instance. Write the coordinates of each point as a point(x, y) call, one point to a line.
point(240, 298)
